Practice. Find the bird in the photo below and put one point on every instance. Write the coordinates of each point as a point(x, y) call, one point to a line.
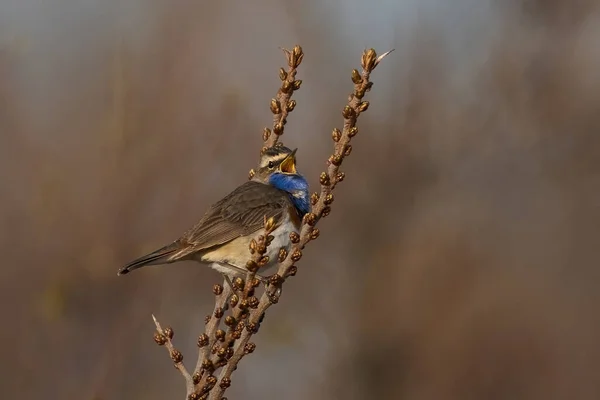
point(222, 237)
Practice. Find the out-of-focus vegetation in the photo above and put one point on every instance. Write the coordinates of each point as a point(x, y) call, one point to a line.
point(461, 261)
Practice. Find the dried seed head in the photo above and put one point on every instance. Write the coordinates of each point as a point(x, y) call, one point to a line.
point(294, 237)
point(160, 339)
point(253, 302)
point(363, 106)
point(297, 84)
point(282, 255)
point(356, 77)
point(282, 74)
point(176, 356)
point(219, 312)
point(326, 211)
point(296, 255)
point(328, 199)
point(314, 198)
point(233, 300)
point(278, 128)
point(292, 271)
point(336, 135)
point(314, 233)
point(252, 266)
point(252, 327)
point(225, 383)
point(251, 174)
point(238, 283)
point(266, 134)
point(275, 280)
point(348, 151)
point(324, 179)
point(348, 112)
point(340, 176)
point(290, 105)
point(275, 106)
point(229, 320)
point(217, 289)
point(352, 131)
point(310, 219)
point(252, 246)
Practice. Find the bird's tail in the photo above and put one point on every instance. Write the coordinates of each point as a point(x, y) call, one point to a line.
point(163, 255)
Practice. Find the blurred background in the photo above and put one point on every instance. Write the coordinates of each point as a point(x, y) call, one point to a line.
point(461, 257)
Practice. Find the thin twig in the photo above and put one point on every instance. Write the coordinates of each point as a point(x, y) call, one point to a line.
point(163, 337)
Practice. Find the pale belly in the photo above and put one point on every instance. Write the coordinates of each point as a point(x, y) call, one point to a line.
point(237, 252)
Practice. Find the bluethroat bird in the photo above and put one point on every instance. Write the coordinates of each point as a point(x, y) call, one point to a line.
point(222, 236)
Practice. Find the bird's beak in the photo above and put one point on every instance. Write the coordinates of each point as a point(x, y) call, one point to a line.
point(288, 165)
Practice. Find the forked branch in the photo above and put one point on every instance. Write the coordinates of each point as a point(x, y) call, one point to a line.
point(236, 304)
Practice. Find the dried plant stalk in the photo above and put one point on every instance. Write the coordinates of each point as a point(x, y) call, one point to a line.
point(236, 303)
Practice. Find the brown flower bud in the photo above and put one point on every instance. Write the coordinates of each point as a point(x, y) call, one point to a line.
point(324, 179)
point(282, 74)
point(296, 255)
point(336, 135)
point(290, 105)
point(294, 237)
point(160, 339)
point(275, 106)
point(249, 348)
point(176, 356)
point(297, 84)
point(229, 320)
point(348, 112)
point(363, 106)
point(282, 255)
point(219, 312)
point(252, 266)
point(314, 233)
point(266, 134)
point(356, 78)
point(217, 289)
point(352, 131)
point(225, 383)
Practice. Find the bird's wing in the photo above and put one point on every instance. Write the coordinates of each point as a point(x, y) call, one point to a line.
point(240, 213)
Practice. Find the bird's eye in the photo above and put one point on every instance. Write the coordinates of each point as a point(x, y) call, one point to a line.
point(271, 164)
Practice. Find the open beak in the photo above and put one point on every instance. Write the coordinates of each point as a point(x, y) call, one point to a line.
point(288, 165)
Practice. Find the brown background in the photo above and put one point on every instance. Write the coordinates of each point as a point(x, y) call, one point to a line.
point(461, 257)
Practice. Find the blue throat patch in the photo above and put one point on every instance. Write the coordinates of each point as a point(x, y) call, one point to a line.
point(297, 188)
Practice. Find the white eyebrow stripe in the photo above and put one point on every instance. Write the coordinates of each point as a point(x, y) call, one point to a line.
point(278, 158)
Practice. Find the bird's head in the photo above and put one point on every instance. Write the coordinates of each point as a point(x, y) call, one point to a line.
point(278, 168)
point(276, 160)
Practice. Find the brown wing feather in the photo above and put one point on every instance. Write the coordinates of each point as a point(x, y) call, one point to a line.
point(240, 213)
